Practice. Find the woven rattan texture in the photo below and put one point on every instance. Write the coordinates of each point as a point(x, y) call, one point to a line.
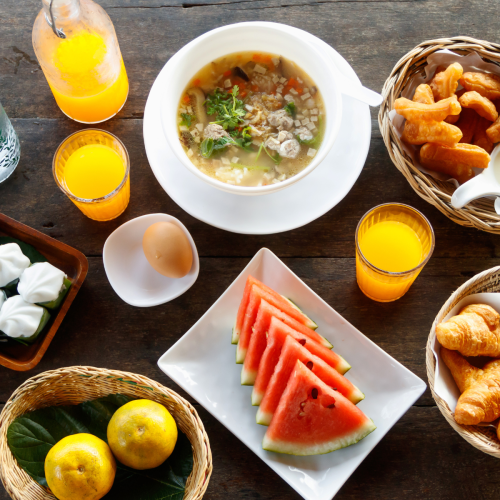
point(480, 213)
point(483, 438)
point(77, 384)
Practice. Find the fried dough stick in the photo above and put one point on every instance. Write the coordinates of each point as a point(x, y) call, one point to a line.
point(484, 83)
point(445, 83)
point(481, 138)
point(482, 105)
point(456, 161)
point(418, 133)
point(416, 111)
point(468, 124)
point(423, 94)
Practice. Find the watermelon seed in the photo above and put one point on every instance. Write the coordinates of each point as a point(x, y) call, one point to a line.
point(331, 406)
point(302, 404)
point(302, 414)
point(310, 365)
point(302, 341)
point(314, 393)
point(335, 389)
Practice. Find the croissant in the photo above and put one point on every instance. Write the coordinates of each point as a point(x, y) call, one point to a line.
point(474, 332)
point(480, 400)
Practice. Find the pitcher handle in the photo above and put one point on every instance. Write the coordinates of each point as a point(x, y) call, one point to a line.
point(477, 187)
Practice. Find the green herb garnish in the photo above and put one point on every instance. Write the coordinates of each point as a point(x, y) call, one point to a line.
point(276, 158)
point(316, 140)
point(227, 108)
point(186, 119)
point(291, 109)
point(209, 146)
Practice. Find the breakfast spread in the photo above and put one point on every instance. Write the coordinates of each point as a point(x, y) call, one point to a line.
point(298, 380)
point(168, 249)
point(247, 119)
point(475, 331)
point(251, 119)
point(29, 290)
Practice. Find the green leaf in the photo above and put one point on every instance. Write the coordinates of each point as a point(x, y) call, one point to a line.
point(186, 119)
point(291, 109)
point(164, 482)
point(31, 252)
point(31, 436)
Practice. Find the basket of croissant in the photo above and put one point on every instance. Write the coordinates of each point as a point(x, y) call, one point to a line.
point(463, 361)
point(440, 122)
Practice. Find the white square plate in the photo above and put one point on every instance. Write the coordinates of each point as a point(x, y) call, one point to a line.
point(202, 362)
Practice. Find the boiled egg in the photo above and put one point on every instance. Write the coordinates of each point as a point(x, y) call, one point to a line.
point(167, 249)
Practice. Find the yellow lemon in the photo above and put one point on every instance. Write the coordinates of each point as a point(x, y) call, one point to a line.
point(142, 434)
point(80, 467)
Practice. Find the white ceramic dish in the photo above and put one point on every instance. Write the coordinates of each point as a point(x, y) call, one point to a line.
point(319, 192)
point(202, 362)
point(130, 274)
point(259, 37)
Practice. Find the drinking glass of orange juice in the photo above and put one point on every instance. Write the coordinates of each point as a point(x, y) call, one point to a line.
point(92, 168)
point(393, 244)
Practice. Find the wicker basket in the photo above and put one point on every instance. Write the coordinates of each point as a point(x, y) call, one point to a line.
point(77, 384)
point(480, 213)
point(482, 438)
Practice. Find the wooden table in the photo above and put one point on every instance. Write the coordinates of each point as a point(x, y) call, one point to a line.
point(421, 457)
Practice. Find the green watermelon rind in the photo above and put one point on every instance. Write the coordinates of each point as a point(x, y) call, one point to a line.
point(235, 337)
point(319, 449)
point(313, 325)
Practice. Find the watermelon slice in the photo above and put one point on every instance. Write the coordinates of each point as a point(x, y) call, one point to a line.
point(313, 419)
point(257, 293)
point(278, 332)
point(258, 339)
point(291, 352)
point(243, 307)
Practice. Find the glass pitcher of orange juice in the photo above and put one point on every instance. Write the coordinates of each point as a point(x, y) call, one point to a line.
point(76, 45)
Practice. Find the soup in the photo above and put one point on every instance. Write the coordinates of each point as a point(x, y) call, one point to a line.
point(251, 119)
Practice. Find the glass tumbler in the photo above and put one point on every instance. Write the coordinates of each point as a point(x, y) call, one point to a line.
point(10, 149)
point(107, 207)
point(381, 285)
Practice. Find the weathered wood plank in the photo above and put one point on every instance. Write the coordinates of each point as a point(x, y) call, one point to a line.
point(101, 330)
point(421, 457)
point(32, 197)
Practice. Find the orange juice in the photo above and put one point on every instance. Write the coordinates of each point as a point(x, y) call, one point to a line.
point(93, 171)
point(393, 243)
point(92, 168)
point(91, 93)
point(392, 246)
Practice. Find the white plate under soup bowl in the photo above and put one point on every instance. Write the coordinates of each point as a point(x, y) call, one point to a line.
point(130, 274)
point(272, 38)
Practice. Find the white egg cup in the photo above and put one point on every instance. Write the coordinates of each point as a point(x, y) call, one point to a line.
point(130, 274)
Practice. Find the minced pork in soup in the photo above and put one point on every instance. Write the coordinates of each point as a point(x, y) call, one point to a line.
point(251, 119)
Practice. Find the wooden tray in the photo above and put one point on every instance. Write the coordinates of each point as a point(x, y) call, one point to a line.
point(14, 355)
